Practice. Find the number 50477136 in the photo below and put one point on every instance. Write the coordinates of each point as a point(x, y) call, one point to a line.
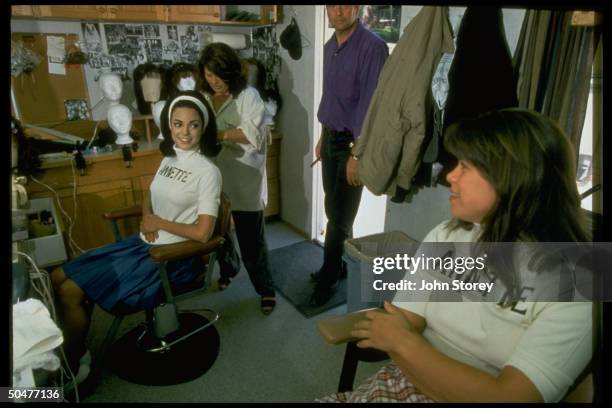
point(31, 394)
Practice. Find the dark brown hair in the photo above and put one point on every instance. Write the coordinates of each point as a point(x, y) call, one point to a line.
point(222, 60)
point(530, 163)
point(178, 71)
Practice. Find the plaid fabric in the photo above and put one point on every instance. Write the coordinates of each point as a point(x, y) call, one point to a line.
point(388, 385)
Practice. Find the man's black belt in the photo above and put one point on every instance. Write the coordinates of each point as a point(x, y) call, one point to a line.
point(346, 133)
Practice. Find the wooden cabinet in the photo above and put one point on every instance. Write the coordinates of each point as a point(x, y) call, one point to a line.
point(24, 11)
point(208, 14)
point(273, 178)
point(194, 14)
point(138, 13)
point(270, 14)
point(90, 12)
point(107, 185)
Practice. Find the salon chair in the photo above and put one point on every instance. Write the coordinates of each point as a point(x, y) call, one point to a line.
point(165, 328)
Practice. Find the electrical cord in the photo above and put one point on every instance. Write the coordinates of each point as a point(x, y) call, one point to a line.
point(94, 135)
point(74, 201)
point(71, 243)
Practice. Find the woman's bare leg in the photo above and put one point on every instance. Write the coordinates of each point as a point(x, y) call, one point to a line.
point(75, 316)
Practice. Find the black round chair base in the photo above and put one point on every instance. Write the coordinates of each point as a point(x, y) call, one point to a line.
point(185, 361)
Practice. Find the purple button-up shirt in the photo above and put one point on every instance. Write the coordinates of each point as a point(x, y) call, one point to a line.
point(350, 75)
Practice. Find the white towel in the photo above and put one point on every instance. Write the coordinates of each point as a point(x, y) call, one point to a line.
point(35, 335)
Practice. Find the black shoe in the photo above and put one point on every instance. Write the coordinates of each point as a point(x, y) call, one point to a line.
point(314, 277)
point(322, 295)
point(223, 283)
point(267, 304)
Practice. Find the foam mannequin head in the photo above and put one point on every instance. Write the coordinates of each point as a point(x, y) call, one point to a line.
point(120, 120)
point(156, 111)
point(112, 87)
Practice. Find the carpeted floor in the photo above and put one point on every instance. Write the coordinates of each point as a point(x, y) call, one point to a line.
point(279, 358)
point(291, 267)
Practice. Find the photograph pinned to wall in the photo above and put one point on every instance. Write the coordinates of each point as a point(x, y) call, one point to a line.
point(154, 50)
point(151, 31)
point(190, 44)
point(191, 33)
point(134, 29)
point(172, 52)
point(56, 52)
point(91, 37)
point(131, 45)
point(141, 58)
point(115, 33)
point(132, 58)
point(266, 51)
point(172, 32)
point(76, 109)
point(122, 71)
point(106, 60)
point(382, 20)
point(94, 60)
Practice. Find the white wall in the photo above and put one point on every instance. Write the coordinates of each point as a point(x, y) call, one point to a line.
point(297, 119)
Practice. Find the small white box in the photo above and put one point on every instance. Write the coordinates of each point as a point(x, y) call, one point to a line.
point(48, 250)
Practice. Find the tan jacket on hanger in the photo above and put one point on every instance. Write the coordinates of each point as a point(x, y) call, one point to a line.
point(394, 126)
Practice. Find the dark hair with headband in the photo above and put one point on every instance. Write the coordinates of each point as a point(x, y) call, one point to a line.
point(208, 142)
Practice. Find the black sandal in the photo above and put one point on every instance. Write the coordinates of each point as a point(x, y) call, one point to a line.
point(267, 304)
point(223, 283)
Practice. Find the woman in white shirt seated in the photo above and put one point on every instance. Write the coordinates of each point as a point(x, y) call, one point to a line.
point(239, 112)
point(183, 204)
point(514, 182)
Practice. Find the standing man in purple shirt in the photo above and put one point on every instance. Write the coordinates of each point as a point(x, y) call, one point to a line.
point(352, 61)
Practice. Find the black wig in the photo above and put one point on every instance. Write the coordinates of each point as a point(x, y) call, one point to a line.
point(142, 71)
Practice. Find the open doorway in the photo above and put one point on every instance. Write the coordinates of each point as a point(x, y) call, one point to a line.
point(372, 212)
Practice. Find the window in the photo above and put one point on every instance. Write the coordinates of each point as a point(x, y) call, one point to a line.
point(382, 20)
point(584, 167)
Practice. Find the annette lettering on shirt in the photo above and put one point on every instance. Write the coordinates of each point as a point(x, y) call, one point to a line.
point(174, 173)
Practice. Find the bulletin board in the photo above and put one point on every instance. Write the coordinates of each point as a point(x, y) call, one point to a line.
point(40, 96)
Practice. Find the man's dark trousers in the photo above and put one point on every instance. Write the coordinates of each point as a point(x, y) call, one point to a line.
point(341, 202)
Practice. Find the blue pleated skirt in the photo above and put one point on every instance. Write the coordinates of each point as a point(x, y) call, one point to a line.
point(123, 272)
